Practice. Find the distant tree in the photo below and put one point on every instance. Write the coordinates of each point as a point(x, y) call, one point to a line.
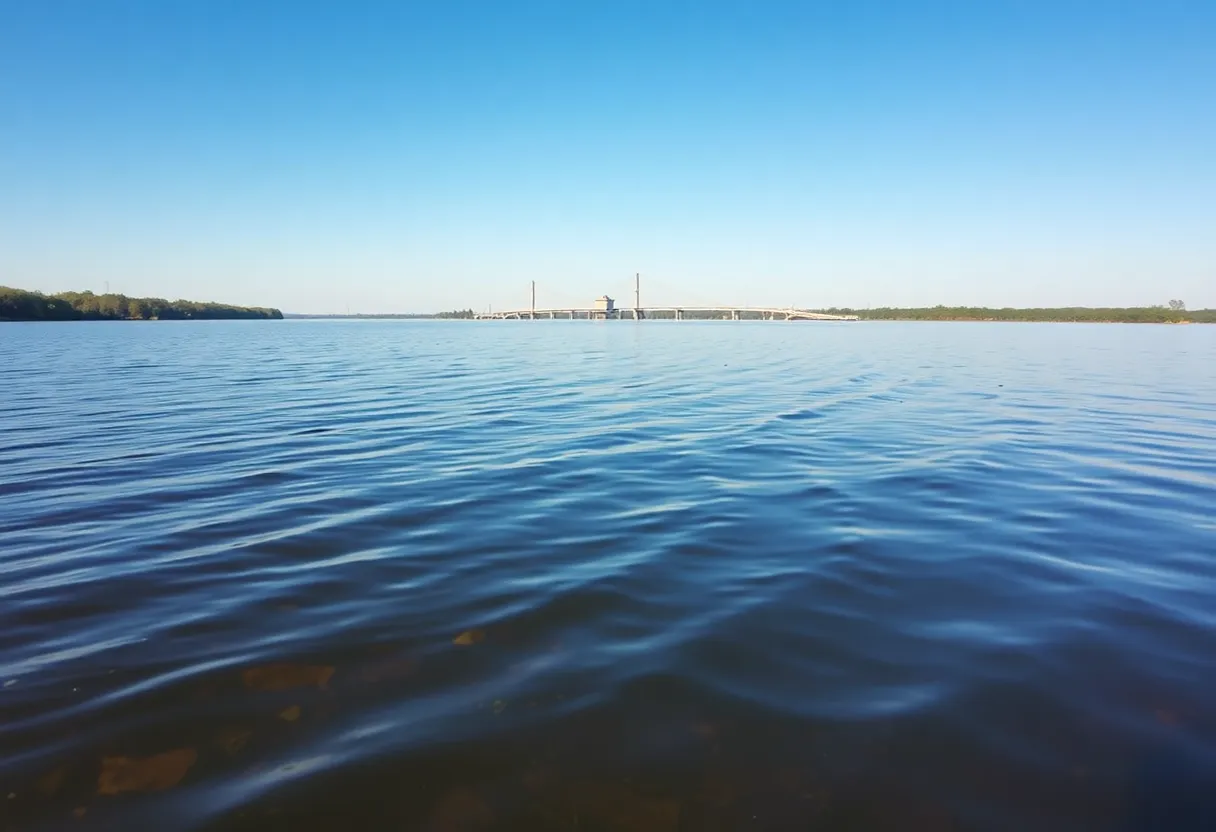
point(1177, 306)
point(20, 305)
point(88, 305)
point(112, 306)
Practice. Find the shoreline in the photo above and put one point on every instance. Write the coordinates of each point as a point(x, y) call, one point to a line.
point(861, 319)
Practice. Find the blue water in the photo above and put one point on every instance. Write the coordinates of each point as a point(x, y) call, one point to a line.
point(709, 575)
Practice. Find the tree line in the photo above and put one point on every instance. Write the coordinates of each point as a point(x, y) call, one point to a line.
point(21, 305)
point(1174, 313)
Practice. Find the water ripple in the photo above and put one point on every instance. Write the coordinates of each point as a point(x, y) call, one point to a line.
point(877, 575)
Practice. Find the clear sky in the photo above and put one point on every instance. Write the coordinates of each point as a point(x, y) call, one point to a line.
point(396, 156)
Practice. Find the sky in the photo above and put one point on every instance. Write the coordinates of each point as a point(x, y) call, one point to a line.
point(419, 157)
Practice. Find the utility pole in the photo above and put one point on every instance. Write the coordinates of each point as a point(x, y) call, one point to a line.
point(533, 300)
point(637, 294)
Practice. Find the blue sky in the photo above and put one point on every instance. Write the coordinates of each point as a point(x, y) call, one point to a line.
point(424, 156)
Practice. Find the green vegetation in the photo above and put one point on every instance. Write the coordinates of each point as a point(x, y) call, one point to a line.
point(1175, 313)
point(20, 305)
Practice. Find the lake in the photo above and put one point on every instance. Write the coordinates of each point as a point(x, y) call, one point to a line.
point(607, 576)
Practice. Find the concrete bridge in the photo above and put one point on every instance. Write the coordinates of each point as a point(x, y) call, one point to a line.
point(679, 313)
point(605, 308)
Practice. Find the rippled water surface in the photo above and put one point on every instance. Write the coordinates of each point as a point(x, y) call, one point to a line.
point(607, 576)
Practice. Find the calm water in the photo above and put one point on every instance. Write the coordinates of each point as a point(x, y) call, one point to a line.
point(607, 576)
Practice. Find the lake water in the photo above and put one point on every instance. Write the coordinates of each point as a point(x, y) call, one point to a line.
point(607, 576)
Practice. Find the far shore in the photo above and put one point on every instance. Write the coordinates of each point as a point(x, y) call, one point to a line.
point(1096, 315)
point(21, 305)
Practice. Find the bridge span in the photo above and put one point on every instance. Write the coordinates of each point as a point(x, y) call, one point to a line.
point(605, 308)
point(678, 313)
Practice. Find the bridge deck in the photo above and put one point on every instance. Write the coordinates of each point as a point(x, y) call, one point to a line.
point(768, 313)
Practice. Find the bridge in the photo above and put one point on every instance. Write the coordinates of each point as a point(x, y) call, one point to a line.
point(678, 313)
point(605, 308)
